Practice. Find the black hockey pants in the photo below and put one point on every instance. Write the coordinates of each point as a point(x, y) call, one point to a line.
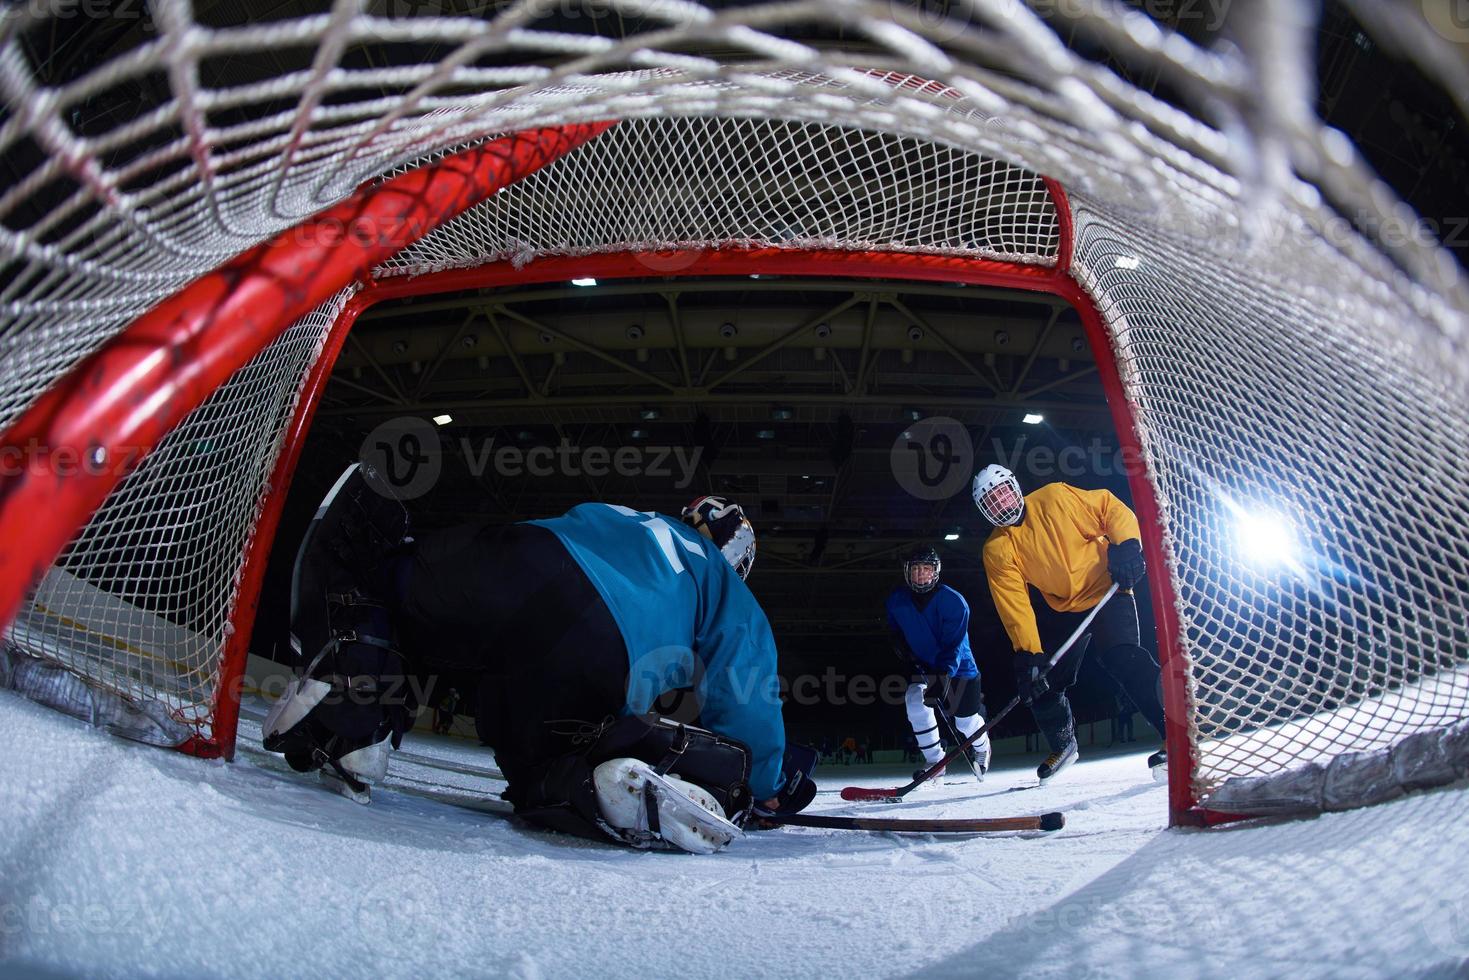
point(1114, 635)
point(512, 605)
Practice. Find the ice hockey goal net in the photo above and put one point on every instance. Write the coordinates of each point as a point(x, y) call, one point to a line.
point(199, 209)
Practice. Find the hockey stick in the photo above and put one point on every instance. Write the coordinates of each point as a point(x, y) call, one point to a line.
point(865, 793)
point(975, 825)
point(954, 734)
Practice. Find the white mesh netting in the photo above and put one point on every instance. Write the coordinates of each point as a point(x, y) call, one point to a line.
point(140, 603)
point(691, 184)
point(1306, 413)
point(1274, 358)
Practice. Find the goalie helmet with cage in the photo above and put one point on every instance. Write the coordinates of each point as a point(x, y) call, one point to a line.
point(921, 570)
point(998, 497)
point(723, 522)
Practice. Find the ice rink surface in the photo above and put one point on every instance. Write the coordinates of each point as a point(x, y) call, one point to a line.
point(126, 861)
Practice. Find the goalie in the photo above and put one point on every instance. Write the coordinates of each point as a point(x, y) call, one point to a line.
point(576, 625)
point(1069, 544)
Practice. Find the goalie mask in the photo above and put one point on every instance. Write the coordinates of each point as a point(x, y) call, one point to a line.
point(724, 523)
point(921, 570)
point(998, 497)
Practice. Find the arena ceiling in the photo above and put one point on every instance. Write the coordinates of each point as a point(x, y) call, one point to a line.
point(788, 395)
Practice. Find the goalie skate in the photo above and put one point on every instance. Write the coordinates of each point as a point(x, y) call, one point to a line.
point(336, 784)
point(680, 813)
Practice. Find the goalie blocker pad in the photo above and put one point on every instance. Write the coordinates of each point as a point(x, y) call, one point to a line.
point(563, 798)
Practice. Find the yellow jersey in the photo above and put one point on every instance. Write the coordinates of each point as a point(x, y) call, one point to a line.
point(1060, 547)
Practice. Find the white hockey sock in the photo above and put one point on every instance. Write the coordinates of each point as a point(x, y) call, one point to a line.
point(925, 725)
point(970, 724)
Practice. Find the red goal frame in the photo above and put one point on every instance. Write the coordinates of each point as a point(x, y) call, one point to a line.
point(122, 399)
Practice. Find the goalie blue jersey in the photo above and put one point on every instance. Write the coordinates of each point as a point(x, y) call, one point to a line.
point(688, 621)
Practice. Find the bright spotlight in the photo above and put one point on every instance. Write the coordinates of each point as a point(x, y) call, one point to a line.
point(1265, 539)
point(584, 282)
point(443, 419)
point(952, 536)
point(1031, 418)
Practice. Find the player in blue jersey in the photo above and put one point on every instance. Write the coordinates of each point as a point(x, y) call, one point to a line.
point(929, 624)
point(575, 626)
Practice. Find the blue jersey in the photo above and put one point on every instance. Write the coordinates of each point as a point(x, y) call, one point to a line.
point(938, 634)
point(688, 621)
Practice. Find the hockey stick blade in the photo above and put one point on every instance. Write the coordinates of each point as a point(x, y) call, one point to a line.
point(918, 825)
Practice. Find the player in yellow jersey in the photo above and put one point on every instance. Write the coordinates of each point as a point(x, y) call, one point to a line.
point(1070, 545)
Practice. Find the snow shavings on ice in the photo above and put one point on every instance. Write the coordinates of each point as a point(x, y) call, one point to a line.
point(120, 860)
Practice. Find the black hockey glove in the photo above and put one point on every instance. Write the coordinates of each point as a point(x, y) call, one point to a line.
point(1030, 680)
point(793, 797)
point(1125, 563)
point(935, 690)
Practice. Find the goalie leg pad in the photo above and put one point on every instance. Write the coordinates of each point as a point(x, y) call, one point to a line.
point(635, 799)
point(562, 794)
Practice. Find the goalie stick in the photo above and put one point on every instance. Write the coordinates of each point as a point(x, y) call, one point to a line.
point(897, 793)
point(919, 825)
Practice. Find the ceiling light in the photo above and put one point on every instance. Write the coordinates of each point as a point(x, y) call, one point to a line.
point(444, 419)
point(765, 434)
point(649, 414)
point(1032, 418)
point(952, 536)
point(584, 282)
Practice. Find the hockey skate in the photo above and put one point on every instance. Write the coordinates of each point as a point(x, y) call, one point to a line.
point(979, 755)
point(647, 807)
point(934, 780)
point(1158, 765)
point(1057, 760)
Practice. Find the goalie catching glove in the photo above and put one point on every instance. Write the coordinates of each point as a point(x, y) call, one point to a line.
point(799, 788)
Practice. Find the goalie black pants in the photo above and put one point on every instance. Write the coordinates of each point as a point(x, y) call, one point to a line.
point(511, 606)
point(1114, 637)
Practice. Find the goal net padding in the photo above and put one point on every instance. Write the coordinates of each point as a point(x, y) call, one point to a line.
point(1256, 362)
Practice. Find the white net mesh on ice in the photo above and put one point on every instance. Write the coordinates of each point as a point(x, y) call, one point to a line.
point(1275, 359)
point(140, 602)
point(1309, 422)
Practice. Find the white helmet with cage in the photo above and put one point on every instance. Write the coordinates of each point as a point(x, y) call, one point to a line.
point(723, 522)
point(997, 495)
